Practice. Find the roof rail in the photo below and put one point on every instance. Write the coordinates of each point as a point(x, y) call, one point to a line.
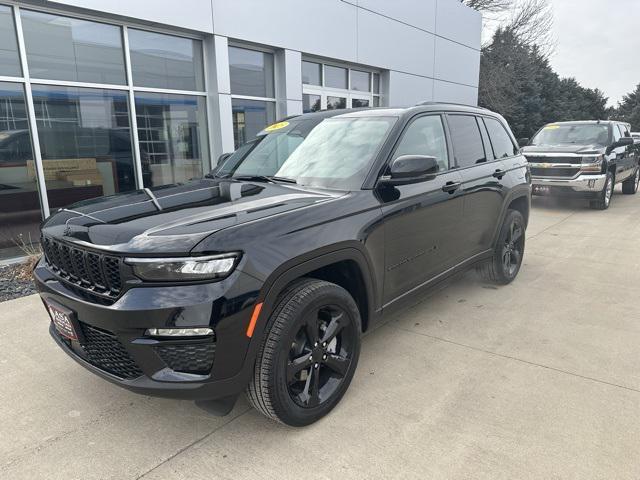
point(431, 102)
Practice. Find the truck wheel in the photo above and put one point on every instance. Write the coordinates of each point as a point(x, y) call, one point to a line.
point(308, 355)
point(505, 264)
point(604, 199)
point(630, 185)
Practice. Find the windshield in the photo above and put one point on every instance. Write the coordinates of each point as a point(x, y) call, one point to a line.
point(336, 154)
point(581, 134)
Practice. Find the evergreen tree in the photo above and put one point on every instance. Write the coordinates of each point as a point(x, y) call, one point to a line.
point(629, 109)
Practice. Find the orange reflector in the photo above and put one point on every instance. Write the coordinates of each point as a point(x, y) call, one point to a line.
point(254, 319)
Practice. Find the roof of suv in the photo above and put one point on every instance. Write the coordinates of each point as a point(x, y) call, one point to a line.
point(588, 122)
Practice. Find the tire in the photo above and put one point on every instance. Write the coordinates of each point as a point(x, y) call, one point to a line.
point(630, 185)
point(604, 199)
point(308, 355)
point(508, 253)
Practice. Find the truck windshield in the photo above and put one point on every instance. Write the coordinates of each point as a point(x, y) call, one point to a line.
point(580, 134)
point(335, 154)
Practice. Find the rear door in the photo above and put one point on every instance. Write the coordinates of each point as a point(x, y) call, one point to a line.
point(482, 186)
point(422, 220)
point(620, 154)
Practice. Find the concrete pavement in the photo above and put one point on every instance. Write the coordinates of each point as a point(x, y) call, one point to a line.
point(539, 379)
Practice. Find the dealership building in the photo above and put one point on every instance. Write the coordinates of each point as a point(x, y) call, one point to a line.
point(99, 97)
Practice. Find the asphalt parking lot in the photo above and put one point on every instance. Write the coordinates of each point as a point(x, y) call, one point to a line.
point(539, 379)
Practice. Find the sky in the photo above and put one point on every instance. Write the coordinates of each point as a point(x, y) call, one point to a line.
point(597, 42)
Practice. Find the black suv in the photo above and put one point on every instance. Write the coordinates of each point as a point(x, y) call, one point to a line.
point(583, 159)
point(264, 276)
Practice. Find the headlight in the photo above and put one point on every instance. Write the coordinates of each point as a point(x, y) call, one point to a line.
point(183, 269)
point(592, 163)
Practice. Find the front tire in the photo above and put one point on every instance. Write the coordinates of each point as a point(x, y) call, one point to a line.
point(309, 353)
point(630, 185)
point(505, 264)
point(604, 199)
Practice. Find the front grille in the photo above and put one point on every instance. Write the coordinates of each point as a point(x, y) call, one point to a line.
point(554, 172)
point(97, 274)
point(188, 358)
point(572, 160)
point(103, 350)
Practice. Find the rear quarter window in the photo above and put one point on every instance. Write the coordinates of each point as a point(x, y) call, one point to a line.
point(501, 141)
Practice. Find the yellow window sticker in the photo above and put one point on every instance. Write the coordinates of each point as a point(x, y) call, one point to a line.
point(276, 126)
point(551, 127)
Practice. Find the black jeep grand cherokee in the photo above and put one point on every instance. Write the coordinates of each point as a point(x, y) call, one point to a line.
point(264, 276)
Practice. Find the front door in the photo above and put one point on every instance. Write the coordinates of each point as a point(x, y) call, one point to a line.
point(422, 220)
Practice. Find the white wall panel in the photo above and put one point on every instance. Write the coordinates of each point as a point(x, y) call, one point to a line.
point(456, 63)
point(451, 92)
point(459, 23)
point(189, 14)
point(385, 43)
point(326, 28)
point(419, 13)
point(407, 90)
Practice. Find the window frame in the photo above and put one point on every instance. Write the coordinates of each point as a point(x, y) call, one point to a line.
point(484, 148)
point(509, 135)
point(26, 81)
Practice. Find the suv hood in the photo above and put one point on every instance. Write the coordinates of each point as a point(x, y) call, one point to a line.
point(573, 148)
point(175, 218)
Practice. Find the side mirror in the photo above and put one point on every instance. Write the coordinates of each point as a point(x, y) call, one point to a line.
point(223, 157)
point(623, 142)
point(408, 169)
point(523, 142)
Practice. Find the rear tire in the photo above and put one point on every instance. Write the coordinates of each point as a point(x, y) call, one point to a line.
point(505, 264)
point(604, 199)
point(308, 355)
point(630, 185)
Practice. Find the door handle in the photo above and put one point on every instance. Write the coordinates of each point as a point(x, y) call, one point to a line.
point(499, 174)
point(451, 187)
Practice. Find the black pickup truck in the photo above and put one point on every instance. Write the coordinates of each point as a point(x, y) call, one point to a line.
point(584, 159)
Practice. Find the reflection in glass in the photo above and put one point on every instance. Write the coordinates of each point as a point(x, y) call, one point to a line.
point(62, 48)
point(376, 83)
point(250, 117)
point(9, 60)
point(251, 72)
point(311, 73)
point(19, 203)
point(360, 81)
point(85, 141)
point(376, 101)
point(359, 102)
point(336, 103)
point(310, 103)
point(335, 77)
point(165, 61)
point(172, 137)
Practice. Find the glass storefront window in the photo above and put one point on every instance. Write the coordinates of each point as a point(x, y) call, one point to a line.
point(20, 215)
point(251, 73)
point(62, 48)
point(310, 103)
point(9, 60)
point(311, 73)
point(85, 140)
point(166, 61)
point(250, 117)
point(359, 102)
point(360, 81)
point(336, 77)
point(376, 83)
point(172, 137)
point(336, 103)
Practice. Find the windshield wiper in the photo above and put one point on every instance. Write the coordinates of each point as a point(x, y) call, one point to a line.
point(265, 178)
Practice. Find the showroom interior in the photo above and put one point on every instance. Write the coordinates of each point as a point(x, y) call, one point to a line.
point(100, 98)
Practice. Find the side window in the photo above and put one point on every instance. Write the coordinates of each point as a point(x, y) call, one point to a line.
point(500, 140)
point(467, 142)
point(616, 133)
point(425, 136)
point(488, 152)
point(623, 130)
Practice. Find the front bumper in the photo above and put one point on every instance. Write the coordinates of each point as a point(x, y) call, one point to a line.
point(582, 184)
point(113, 344)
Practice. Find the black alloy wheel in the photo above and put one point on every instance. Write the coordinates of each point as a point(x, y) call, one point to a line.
point(503, 267)
point(309, 353)
point(513, 248)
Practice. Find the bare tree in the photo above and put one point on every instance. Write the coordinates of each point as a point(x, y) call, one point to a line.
point(489, 6)
point(531, 21)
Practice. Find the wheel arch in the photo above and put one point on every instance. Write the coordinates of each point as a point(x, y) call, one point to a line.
point(519, 198)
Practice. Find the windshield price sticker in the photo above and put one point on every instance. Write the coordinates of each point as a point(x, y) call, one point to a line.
point(276, 126)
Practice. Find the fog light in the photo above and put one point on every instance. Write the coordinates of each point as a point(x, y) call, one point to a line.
point(179, 332)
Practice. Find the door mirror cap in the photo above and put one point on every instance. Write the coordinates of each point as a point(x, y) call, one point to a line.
point(623, 142)
point(408, 169)
point(523, 142)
